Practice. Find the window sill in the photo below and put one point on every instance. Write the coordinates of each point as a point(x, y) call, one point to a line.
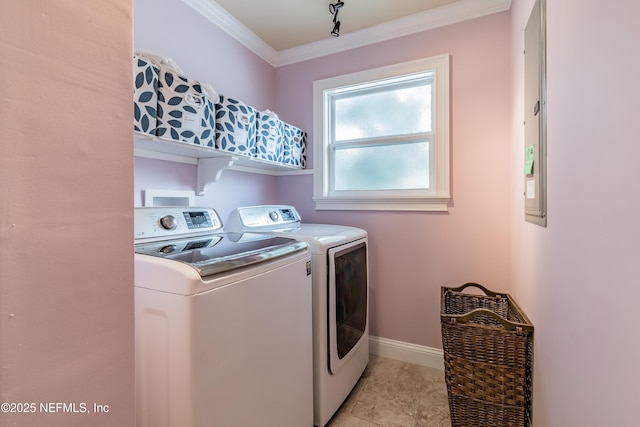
point(429, 204)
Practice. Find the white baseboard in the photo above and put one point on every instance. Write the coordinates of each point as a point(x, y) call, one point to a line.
point(407, 352)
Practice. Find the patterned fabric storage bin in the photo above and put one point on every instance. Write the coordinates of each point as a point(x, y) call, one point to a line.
point(235, 127)
point(185, 113)
point(145, 96)
point(270, 137)
point(295, 147)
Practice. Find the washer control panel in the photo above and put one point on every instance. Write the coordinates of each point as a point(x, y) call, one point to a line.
point(162, 222)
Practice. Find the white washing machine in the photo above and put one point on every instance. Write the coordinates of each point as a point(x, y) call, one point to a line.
point(223, 324)
point(340, 298)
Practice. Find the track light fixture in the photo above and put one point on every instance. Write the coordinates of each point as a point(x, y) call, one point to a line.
point(336, 29)
point(333, 9)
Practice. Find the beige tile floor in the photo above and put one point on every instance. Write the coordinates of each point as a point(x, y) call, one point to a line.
point(396, 394)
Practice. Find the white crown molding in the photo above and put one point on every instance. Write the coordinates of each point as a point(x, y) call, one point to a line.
point(439, 17)
point(213, 12)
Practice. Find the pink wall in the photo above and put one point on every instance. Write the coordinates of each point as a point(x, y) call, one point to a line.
point(413, 254)
point(66, 173)
point(232, 190)
point(578, 278)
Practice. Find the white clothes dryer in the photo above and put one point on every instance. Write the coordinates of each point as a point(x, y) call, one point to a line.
point(223, 324)
point(340, 298)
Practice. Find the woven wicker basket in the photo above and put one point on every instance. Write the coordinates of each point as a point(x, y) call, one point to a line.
point(488, 356)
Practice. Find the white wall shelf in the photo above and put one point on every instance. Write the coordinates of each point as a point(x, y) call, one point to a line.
point(210, 161)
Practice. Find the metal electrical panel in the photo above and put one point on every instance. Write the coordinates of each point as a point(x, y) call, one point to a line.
point(535, 117)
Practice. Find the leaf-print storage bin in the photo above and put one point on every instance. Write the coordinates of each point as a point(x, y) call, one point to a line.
point(270, 137)
point(295, 146)
point(185, 113)
point(235, 127)
point(145, 96)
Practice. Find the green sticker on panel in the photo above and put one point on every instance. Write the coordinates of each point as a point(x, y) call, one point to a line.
point(528, 161)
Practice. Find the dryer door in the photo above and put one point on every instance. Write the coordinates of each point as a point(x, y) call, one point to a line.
point(348, 301)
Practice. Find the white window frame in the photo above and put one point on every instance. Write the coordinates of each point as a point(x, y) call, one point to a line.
point(438, 196)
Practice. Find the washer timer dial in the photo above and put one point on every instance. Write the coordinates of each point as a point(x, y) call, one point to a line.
point(168, 222)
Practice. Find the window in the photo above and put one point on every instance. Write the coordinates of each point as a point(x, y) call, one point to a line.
point(381, 138)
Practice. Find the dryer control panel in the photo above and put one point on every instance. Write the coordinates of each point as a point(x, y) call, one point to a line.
point(263, 217)
point(168, 222)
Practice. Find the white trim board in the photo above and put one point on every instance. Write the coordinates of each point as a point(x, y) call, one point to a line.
point(462, 10)
point(407, 352)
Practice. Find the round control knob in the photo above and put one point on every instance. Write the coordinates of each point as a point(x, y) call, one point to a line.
point(273, 215)
point(167, 249)
point(168, 222)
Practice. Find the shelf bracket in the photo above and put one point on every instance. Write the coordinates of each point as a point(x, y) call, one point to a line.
point(210, 169)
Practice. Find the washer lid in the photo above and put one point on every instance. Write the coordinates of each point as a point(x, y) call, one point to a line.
point(217, 253)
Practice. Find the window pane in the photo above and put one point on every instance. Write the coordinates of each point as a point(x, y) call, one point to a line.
point(390, 112)
point(382, 167)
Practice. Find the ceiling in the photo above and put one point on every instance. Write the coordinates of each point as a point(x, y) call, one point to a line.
point(284, 24)
point(287, 31)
